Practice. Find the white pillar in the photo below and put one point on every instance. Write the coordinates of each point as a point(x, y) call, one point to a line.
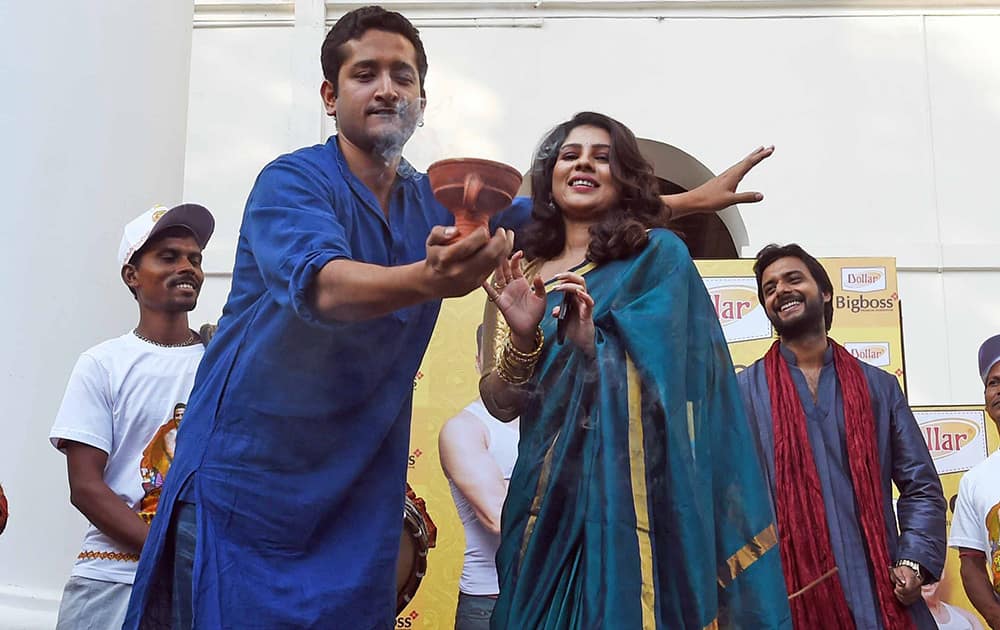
point(94, 118)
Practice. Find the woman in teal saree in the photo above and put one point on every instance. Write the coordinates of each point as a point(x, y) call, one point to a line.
point(637, 500)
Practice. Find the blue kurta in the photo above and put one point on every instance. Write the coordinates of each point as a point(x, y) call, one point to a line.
point(295, 438)
point(637, 500)
point(903, 457)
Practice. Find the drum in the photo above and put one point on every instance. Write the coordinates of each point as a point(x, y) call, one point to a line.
point(3, 510)
point(412, 562)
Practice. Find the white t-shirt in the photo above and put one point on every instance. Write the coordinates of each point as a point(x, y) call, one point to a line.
point(956, 620)
point(976, 523)
point(126, 397)
point(479, 571)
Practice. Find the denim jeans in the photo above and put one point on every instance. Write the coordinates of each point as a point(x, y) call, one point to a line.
point(474, 612)
point(183, 534)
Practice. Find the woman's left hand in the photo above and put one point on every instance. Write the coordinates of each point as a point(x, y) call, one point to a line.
point(580, 318)
point(522, 303)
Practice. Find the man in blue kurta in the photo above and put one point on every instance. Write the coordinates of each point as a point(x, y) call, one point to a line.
point(835, 433)
point(290, 467)
point(283, 508)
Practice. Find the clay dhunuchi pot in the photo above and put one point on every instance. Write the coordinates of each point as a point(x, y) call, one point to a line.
point(473, 189)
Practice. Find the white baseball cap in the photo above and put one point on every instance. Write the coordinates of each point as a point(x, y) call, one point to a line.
point(191, 216)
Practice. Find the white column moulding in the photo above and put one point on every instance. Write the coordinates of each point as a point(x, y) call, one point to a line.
point(94, 119)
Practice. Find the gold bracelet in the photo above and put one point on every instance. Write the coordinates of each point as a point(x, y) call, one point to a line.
point(527, 357)
point(513, 371)
point(514, 377)
point(516, 367)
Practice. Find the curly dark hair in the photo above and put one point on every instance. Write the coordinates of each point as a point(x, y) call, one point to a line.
point(622, 232)
point(353, 25)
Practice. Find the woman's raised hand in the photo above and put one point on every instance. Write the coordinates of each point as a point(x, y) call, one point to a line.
point(521, 303)
point(580, 318)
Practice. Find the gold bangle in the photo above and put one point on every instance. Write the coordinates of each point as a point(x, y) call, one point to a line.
point(513, 372)
point(511, 378)
point(527, 357)
point(516, 367)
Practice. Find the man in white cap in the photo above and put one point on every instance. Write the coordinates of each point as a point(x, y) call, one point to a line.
point(120, 394)
point(975, 527)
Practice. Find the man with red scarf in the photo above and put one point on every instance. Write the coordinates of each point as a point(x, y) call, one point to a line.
point(835, 433)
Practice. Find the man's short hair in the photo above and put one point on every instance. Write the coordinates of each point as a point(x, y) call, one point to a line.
point(773, 252)
point(354, 25)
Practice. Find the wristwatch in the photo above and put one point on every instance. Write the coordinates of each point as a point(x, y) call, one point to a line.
point(912, 565)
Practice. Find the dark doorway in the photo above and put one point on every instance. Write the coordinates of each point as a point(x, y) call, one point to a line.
point(705, 235)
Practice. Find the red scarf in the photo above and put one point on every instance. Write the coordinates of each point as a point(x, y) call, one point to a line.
point(815, 594)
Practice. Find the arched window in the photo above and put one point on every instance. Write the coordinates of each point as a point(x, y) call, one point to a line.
point(718, 235)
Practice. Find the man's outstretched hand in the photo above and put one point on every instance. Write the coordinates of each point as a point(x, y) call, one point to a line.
point(721, 191)
point(456, 267)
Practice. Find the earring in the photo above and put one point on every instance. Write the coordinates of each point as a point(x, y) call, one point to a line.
point(420, 123)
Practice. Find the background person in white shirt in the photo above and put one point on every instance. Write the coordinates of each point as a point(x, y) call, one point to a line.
point(975, 527)
point(120, 398)
point(477, 455)
point(947, 616)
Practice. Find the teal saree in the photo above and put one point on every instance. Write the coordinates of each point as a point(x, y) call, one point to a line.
point(638, 499)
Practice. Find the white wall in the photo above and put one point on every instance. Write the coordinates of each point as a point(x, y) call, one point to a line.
point(93, 117)
point(884, 114)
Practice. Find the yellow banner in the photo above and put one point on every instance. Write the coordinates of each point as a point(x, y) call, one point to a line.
point(958, 437)
point(446, 383)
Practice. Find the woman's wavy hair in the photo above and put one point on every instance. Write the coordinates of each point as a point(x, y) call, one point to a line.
point(622, 232)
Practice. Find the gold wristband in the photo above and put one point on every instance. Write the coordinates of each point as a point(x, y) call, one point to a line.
point(516, 367)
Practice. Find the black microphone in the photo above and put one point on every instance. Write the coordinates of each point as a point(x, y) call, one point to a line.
point(561, 320)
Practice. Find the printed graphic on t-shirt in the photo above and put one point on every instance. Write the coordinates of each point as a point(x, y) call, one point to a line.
point(156, 460)
point(993, 529)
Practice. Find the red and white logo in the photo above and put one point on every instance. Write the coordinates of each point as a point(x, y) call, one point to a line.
point(956, 439)
point(871, 352)
point(863, 279)
point(739, 311)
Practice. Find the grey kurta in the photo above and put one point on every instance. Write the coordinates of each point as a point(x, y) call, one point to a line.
point(903, 458)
